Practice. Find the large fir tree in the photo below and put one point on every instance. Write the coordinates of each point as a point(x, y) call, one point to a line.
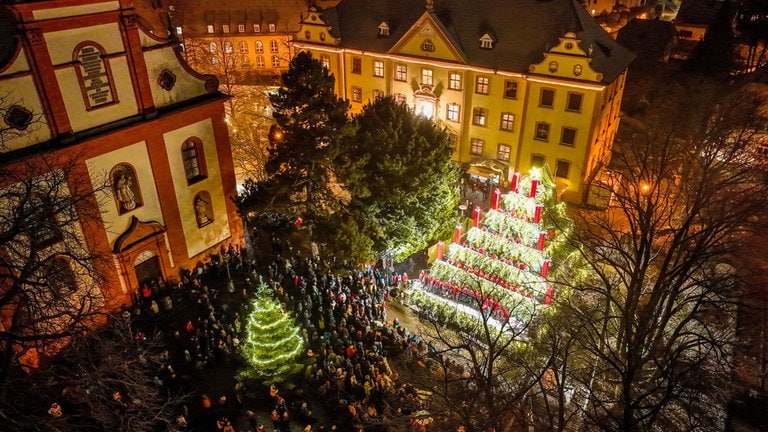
point(306, 164)
point(409, 199)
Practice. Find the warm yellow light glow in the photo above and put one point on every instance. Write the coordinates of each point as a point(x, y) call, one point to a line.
point(645, 188)
point(563, 83)
point(407, 60)
point(535, 173)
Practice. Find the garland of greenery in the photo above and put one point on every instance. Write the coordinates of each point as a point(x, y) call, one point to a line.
point(522, 204)
point(509, 251)
point(494, 269)
point(509, 294)
point(447, 314)
point(510, 226)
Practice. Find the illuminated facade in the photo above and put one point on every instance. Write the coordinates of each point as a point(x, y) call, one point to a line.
point(517, 84)
point(106, 90)
point(250, 45)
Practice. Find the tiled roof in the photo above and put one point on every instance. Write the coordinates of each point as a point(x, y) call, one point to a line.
point(523, 29)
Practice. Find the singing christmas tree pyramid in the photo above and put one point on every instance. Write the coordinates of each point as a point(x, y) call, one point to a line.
point(500, 266)
point(273, 347)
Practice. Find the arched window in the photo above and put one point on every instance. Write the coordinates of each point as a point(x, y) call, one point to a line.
point(58, 275)
point(203, 209)
point(42, 226)
point(94, 75)
point(245, 61)
point(228, 47)
point(259, 46)
point(275, 61)
point(273, 46)
point(125, 188)
point(427, 46)
point(243, 47)
point(194, 160)
point(259, 62)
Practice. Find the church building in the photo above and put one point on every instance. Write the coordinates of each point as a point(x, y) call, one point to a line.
point(98, 109)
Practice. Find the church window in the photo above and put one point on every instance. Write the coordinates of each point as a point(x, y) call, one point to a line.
point(193, 158)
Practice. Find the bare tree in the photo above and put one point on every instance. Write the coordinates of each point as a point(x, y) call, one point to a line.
point(481, 370)
point(50, 277)
point(249, 132)
point(654, 317)
point(248, 109)
point(108, 380)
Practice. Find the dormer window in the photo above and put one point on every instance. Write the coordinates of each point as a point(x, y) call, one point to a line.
point(383, 29)
point(486, 41)
point(427, 46)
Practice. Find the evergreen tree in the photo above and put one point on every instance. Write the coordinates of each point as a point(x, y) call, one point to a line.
point(273, 344)
point(306, 166)
point(405, 194)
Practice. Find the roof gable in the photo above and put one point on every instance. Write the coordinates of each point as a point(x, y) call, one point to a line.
point(427, 38)
point(313, 27)
point(568, 60)
point(522, 30)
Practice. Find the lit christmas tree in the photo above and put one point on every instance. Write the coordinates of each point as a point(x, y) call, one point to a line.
point(273, 345)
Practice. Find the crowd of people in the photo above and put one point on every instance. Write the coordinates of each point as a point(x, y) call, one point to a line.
point(343, 315)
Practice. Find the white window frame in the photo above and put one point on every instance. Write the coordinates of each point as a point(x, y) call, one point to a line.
point(475, 143)
point(454, 81)
point(427, 76)
point(378, 68)
point(401, 72)
point(453, 112)
point(507, 121)
point(505, 154)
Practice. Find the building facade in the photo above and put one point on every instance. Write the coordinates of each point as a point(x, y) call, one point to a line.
point(247, 45)
point(89, 83)
point(519, 85)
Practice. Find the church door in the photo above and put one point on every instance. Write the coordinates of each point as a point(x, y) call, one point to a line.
point(148, 271)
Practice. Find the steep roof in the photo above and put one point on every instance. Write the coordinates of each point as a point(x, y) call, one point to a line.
point(523, 29)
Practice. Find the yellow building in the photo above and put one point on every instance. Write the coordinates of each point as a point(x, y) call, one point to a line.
point(518, 84)
point(248, 44)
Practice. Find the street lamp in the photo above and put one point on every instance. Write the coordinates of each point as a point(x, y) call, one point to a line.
point(275, 134)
